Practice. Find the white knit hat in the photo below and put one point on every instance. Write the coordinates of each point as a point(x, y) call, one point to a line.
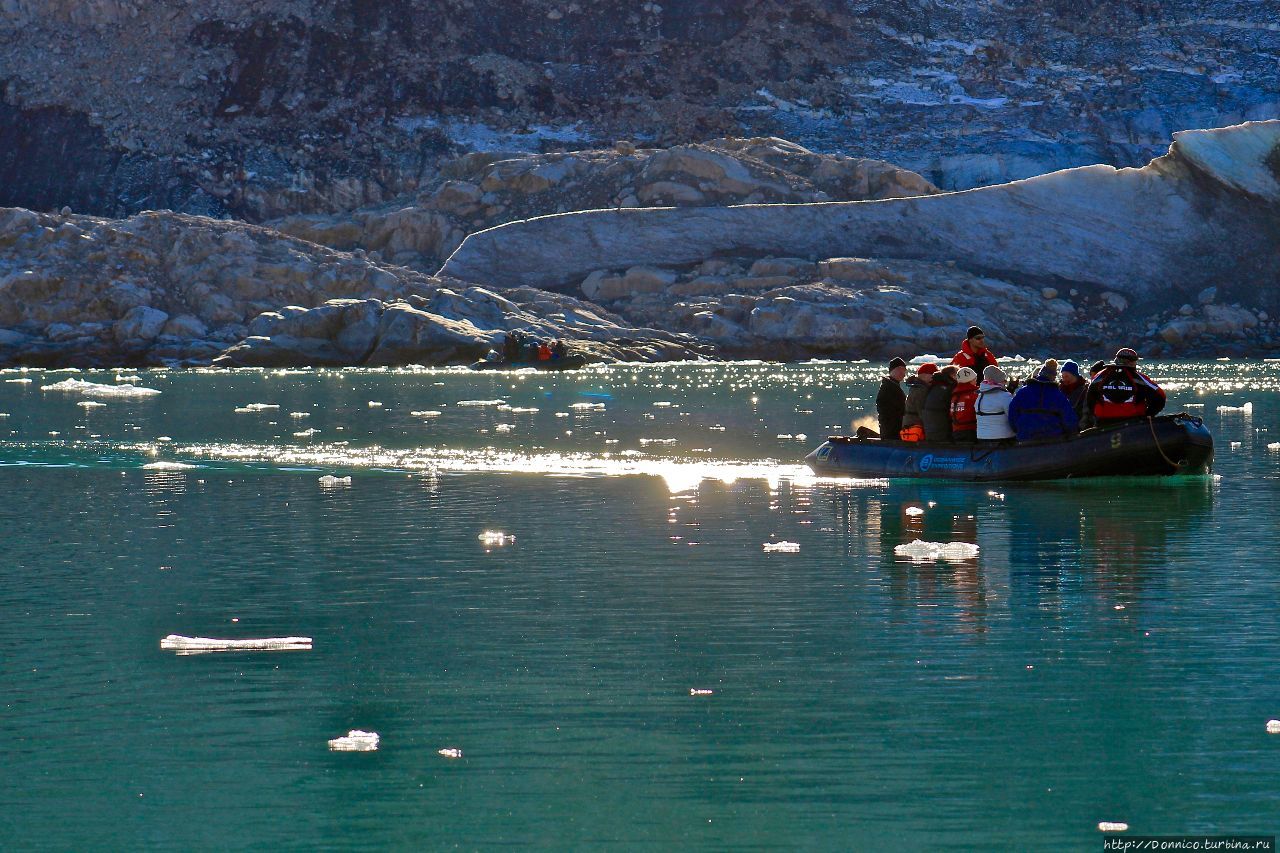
point(966, 374)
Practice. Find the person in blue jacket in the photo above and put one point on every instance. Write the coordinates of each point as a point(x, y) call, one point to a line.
point(1040, 409)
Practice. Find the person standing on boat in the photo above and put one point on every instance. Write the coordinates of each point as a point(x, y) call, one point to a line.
point(1121, 392)
point(891, 401)
point(973, 352)
point(936, 412)
point(992, 406)
point(1076, 387)
point(1040, 409)
point(964, 421)
point(917, 389)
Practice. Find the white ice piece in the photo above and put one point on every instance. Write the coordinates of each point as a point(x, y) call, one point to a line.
point(700, 691)
point(299, 414)
point(90, 404)
point(1275, 445)
point(1112, 826)
point(306, 433)
point(374, 404)
point(914, 510)
point(1246, 409)
point(782, 547)
point(167, 466)
point(449, 752)
point(479, 403)
point(204, 645)
point(256, 407)
point(93, 389)
point(18, 381)
point(495, 539)
point(356, 741)
point(426, 413)
point(1273, 727)
point(585, 406)
point(921, 551)
point(328, 481)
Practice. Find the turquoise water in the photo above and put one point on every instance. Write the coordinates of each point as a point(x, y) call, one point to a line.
point(1108, 655)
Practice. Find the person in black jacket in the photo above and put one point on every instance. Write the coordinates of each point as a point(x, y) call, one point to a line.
point(891, 401)
point(937, 405)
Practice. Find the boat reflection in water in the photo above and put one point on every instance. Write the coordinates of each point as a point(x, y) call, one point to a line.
point(1046, 549)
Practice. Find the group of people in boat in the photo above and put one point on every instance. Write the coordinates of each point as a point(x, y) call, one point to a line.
point(973, 399)
point(520, 346)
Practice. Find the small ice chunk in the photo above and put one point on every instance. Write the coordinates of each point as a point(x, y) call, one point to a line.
point(997, 495)
point(645, 441)
point(479, 403)
point(426, 413)
point(662, 404)
point(586, 406)
point(700, 691)
point(504, 427)
point(562, 414)
point(495, 539)
point(167, 466)
point(914, 510)
point(90, 404)
point(1110, 826)
point(782, 547)
point(18, 381)
point(202, 645)
point(921, 551)
point(328, 481)
point(1273, 727)
point(93, 389)
point(786, 436)
point(256, 407)
point(1275, 445)
point(299, 414)
point(306, 433)
point(374, 404)
point(1246, 409)
point(356, 741)
point(449, 752)
point(522, 410)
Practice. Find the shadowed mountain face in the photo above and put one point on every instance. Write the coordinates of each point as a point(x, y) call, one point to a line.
point(282, 106)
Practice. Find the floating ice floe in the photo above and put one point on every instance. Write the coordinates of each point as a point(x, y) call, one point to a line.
point(356, 741)
point(662, 404)
point(504, 427)
point(328, 481)
point(585, 406)
point(167, 466)
point(479, 403)
point(1110, 826)
point(299, 414)
point(91, 404)
point(93, 389)
point(914, 510)
point(18, 381)
point(256, 407)
point(921, 551)
point(645, 441)
point(1273, 727)
point(997, 495)
point(426, 413)
point(204, 645)
point(700, 691)
point(782, 547)
point(518, 410)
point(495, 539)
point(1246, 409)
point(449, 752)
point(306, 433)
point(374, 404)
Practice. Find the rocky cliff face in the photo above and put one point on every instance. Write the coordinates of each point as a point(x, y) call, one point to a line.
point(277, 107)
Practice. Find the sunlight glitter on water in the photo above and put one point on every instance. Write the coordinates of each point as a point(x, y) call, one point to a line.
point(678, 474)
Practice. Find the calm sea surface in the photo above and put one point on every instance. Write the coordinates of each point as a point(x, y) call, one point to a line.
point(1110, 654)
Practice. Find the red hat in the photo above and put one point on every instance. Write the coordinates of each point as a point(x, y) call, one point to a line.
point(927, 367)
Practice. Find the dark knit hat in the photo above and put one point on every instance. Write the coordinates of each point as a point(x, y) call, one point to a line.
point(1096, 367)
point(896, 362)
point(973, 332)
point(1072, 368)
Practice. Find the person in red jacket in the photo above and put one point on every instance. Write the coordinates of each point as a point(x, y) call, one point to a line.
point(1121, 392)
point(973, 352)
point(964, 413)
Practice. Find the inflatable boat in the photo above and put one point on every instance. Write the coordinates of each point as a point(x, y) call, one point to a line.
point(573, 361)
point(1160, 446)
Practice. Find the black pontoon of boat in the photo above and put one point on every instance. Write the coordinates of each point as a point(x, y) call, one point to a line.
point(1160, 446)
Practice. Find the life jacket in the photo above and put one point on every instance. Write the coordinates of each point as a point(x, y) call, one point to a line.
point(912, 433)
point(544, 352)
point(1122, 392)
point(976, 360)
point(964, 417)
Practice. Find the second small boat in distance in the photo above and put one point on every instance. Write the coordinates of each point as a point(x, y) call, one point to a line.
point(1161, 446)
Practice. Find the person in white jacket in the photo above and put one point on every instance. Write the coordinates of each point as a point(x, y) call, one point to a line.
point(993, 406)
